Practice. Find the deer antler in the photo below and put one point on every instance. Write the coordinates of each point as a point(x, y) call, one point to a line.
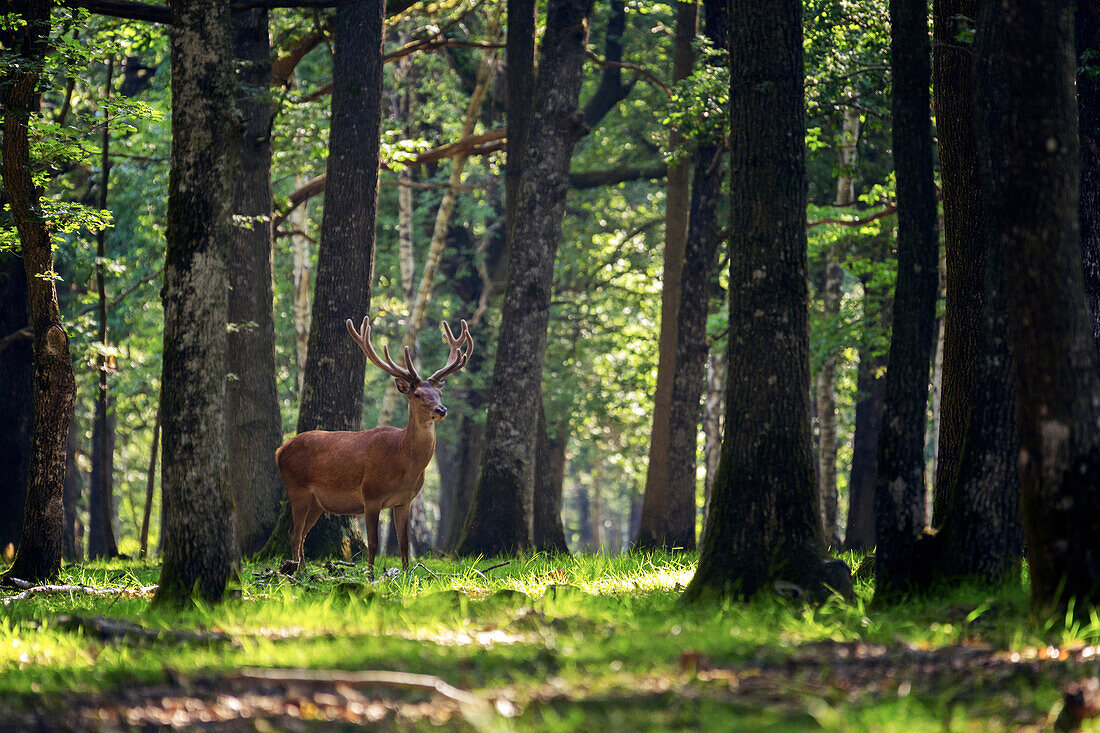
point(456, 359)
point(362, 338)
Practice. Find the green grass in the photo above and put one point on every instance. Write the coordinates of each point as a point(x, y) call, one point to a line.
point(584, 643)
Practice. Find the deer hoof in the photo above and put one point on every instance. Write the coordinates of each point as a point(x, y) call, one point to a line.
point(289, 567)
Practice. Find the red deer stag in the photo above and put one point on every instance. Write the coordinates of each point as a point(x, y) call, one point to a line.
point(364, 472)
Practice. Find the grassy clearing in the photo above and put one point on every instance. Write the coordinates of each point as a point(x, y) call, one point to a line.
point(554, 644)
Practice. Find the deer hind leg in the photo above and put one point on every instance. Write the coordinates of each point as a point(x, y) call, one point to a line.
point(401, 525)
point(371, 518)
point(312, 514)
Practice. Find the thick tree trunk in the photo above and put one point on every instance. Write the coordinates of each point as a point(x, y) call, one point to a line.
point(1087, 34)
point(1028, 134)
point(16, 399)
point(253, 418)
point(899, 482)
point(871, 387)
point(963, 234)
point(659, 503)
point(38, 556)
point(200, 555)
point(763, 524)
point(332, 396)
point(499, 519)
point(548, 532)
point(101, 541)
point(519, 80)
point(101, 488)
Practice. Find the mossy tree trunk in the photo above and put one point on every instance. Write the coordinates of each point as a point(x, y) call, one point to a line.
point(200, 553)
point(899, 481)
point(763, 524)
point(1028, 134)
point(332, 394)
point(252, 404)
point(499, 519)
point(38, 556)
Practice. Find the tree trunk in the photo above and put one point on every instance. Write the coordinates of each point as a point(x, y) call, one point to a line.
point(519, 79)
point(73, 488)
point(299, 223)
point(101, 541)
point(499, 519)
point(763, 523)
point(595, 506)
point(101, 502)
point(446, 462)
point(1087, 34)
point(963, 234)
point(899, 482)
point(1028, 134)
point(660, 503)
point(200, 555)
point(826, 377)
point(713, 401)
point(332, 396)
point(38, 556)
point(548, 532)
point(871, 387)
point(150, 483)
point(16, 399)
point(471, 441)
point(253, 418)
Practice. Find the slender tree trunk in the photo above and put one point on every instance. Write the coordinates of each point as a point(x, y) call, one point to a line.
point(101, 513)
point(150, 483)
point(1028, 134)
point(299, 223)
point(763, 525)
point(471, 442)
point(871, 387)
point(548, 532)
point(74, 529)
point(446, 462)
point(1087, 34)
point(595, 505)
point(200, 551)
point(252, 402)
point(660, 503)
point(16, 399)
point(899, 482)
point(826, 377)
point(713, 402)
point(499, 520)
point(102, 536)
point(38, 556)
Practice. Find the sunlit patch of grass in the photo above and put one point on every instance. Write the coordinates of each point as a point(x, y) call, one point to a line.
point(574, 642)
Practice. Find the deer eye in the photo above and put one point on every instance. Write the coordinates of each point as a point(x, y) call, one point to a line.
point(416, 395)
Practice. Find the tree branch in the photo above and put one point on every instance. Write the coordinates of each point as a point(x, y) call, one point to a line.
point(611, 176)
point(134, 10)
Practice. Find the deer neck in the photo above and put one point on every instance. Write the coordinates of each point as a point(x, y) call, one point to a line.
point(419, 438)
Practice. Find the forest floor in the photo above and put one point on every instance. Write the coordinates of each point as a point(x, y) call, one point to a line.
point(590, 643)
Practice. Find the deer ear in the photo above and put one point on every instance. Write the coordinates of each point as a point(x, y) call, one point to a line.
point(403, 385)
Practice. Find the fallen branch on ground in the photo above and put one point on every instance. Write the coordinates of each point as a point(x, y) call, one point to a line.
point(384, 679)
point(109, 629)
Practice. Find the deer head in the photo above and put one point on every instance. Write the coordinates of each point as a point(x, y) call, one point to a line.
point(423, 395)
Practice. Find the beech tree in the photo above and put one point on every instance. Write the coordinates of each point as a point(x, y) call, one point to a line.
point(499, 518)
point(763, 524)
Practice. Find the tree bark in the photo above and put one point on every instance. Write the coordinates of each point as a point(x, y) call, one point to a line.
point(332, 396)
point(713, 402)
point(1028, 134)
point(73, 488)
point(899, 482)
point(763, 524)
point(150, 484)
point(38, 556)
point(101, 540)
point(548, 532)
point(200, 551)
point(871, 387)
point(519, 79)
point(1087, 35)
point(499, 519)
point(299, 222)
point(664, 501)
point(253, 417)
point(16, 400)
point(963, 234)
point(101, 488)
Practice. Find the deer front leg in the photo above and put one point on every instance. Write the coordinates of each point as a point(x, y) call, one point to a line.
point(371, 518)
point(401, 524)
